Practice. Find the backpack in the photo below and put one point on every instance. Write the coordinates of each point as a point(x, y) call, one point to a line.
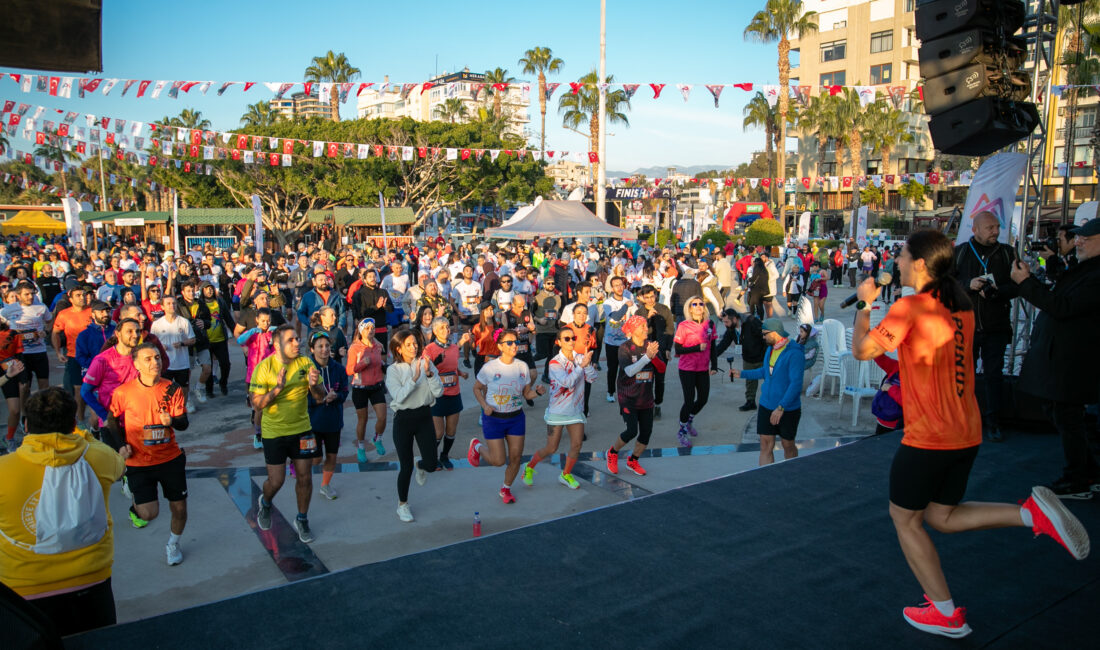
point(71, 513)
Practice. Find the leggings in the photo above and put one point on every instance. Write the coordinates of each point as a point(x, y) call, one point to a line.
point(612, 367)
point(599, 342)
point(410, 424)
point(544, 343)
point(219, 352)
point(696, 385)
point(639, 422)
point(86, 609)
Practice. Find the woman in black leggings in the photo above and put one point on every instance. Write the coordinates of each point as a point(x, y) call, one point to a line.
point(694, 343)
point(414, 385)
point(639, 364)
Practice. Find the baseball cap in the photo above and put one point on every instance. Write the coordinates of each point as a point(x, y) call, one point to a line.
point(99, 305)
point(1088, 229)
point(774, 325)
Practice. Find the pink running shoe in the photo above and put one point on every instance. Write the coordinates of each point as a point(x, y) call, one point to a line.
point(929, 619)
point(472, 454)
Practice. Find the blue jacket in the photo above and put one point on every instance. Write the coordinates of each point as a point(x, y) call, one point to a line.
point(91, 341)
point(311, 302)
point(782, 386)
point(329, 418)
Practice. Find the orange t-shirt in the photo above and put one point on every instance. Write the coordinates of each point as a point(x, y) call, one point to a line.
point(11, 344)
point(138, 408)
point(72, 323)
point(936, 359)
point(586, 338)
point(483, 341)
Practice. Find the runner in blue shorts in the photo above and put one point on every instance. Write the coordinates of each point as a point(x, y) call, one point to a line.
point(501, 387)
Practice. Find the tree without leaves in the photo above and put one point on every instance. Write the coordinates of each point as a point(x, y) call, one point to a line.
point(540, 60)
point(335, 68)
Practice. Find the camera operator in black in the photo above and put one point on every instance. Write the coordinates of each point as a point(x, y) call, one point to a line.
point(1060, 253)
point(1061, 361)
point(975, 261)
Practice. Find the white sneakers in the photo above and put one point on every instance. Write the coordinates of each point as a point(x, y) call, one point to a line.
point(404, 513)
point(175, 555)
point(421, 476)
point(610, 398)
point(329, 492)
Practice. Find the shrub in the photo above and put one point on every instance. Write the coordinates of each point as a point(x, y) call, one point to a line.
point(824, 243)
point(664, 237)
point(764, 232)
point(717, 236)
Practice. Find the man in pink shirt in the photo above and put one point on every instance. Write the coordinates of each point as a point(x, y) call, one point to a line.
point(111, 368)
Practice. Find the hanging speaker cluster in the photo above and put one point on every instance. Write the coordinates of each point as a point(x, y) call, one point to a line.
point(974, 89)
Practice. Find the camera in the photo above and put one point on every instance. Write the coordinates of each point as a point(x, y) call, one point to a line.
point(1039, 245)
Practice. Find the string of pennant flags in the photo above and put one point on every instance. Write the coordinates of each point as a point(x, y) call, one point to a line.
point(66, 86)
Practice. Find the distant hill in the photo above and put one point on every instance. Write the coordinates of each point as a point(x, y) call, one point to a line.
point(662, 172)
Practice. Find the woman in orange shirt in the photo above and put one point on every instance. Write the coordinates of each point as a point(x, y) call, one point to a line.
point(485, 347)
point(933, 332)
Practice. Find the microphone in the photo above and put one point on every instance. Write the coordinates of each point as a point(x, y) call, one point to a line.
point(882, 280)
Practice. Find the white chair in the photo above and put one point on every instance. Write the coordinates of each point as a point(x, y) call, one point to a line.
point(863, 386)
point(833, 352)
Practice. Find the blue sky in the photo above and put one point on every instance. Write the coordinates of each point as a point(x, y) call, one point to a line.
point(695, 42)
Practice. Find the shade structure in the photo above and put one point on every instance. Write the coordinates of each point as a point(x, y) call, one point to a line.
point(33, 222)
point(559, 219)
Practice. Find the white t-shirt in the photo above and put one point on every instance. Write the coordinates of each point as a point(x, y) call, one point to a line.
point(396, 286)
point(467, 297)
point(504, 384)
point(171, 333)
point(28, 319)
point(502, 299)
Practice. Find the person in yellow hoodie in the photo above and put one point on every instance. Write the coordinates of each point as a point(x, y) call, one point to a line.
point(72, 588)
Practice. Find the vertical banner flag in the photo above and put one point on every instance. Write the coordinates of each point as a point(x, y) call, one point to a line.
point(994, 190)
point(382, 209)
point(804, 228)
point(861, 226)
point(258, 215)
point(72, 220)
point(1085, 213)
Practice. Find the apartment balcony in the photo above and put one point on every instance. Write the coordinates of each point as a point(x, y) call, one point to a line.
point(909, 54)
point(1080, 133)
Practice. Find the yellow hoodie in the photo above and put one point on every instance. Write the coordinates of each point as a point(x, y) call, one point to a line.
point(31, 574)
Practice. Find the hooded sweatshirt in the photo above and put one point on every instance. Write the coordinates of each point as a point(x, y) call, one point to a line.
point(28, 573)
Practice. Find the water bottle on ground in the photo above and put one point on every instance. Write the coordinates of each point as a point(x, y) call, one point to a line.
point(477, 525)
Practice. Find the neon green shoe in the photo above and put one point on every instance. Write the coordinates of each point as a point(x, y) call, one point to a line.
point(137, 521)
point(528, 474)
point(568, 481)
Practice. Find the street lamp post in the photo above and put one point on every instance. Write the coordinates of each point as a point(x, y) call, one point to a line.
point(601, 174)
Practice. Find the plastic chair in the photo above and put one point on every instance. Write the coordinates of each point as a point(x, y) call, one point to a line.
point(861, 388)
point(833, 352)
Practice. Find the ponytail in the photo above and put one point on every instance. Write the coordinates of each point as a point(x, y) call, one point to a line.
point(937, 251)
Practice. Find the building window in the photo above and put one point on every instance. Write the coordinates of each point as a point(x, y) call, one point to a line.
point(882, 41)
point(908, 5)
point(841, 25)
point(880, 74)
point(833, 78)
point(826, 169)
point(874, 166)
point(832, 51)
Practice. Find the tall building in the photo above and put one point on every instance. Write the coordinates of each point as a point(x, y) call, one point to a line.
point(860, 42)
point(302, 106)
point(394, 100)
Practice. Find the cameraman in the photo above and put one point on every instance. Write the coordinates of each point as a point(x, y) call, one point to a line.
point(1060, 257)
point(982, 266)
point(1060, 365)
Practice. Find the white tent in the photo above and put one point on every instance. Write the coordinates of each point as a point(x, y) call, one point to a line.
point(559, 219)
point(522, 212)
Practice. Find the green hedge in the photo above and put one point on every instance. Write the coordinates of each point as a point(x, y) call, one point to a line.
point(825, 243)
point(764, 232)
point(664, 237)
point(717, 236)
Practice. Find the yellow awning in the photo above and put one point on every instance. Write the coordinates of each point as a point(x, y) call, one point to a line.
point(33, 222)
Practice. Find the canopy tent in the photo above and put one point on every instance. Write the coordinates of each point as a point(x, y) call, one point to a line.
point(522, 212)
point(33, 222)
point(559, 219)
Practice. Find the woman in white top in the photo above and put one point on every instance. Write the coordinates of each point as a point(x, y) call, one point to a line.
point(501, 387)
point(569, 371)
point(414, 385)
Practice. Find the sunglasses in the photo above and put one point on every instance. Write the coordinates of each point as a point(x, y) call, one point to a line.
point(568, 338)
point(512, 342)
point(154, 290)
point(318, 335)
point(695, 304)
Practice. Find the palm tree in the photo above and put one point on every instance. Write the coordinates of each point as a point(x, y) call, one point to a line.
point(886, 128)
point(260, 114)
point(758, 113)
point(335, 68)
point(55, 152)
point(583, 108)
point(540, 60)
point(850, 113)
point(188, 118)
point(819, 117)
point(452, 110)
point(497, 76)
point(775, 23)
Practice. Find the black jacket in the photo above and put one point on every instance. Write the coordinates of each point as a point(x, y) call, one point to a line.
point(992, 306)
point(364, 305)
point(201, 313)
point(752, 339)
point(683, 290)
point(1061, 364)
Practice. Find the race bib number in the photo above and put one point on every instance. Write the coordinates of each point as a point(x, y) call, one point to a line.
point(473, 300)
point(154, 434)
point(29, 336)
point(307, 443)
point(551, 314)
point(521, 348)
point(448, 378)
point(644, 375)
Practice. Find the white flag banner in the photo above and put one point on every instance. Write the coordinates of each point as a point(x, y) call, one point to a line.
point(921, 177)
point(804, 228)
point(318, 148)
point(493, 153)
point(406, 153)
point(866, 95)
point(771, 93)
point(876, 179)
point(994, 190)
point(285, 160)
point(208, 153)
point(108, 84)
point(257, 222)
point(685, 90)
point(362, 152)
point(66, 89)
point(452, 154)
point(834, 181)
point(861, 226)
point(1085, 212)
point(158, 88)
point(753, 182)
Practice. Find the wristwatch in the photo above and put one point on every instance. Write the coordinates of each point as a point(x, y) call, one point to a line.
point(863, 306)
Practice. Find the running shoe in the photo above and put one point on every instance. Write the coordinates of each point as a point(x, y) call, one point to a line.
point(568, 481)
point(506, 495)
point(472, 454)
point(421, 476)
point(378, 446)
point(1071, 490)
point(190, 406)
point(610, 398)
point(257, 442)
point(927, 618)
point(657, 412)
point(528, 473)
point(263, 514)
point(224, 389)
point(199, 395)
point(635, 466)
point(304, 533)
point(12, 445)
point(446, 463)
point(329, 492)
point(136, 521)
point(175, 555)
point(1050, 517)
point(612, 461)
point(126, 489)
point(466, 362)
point(691, 428)
point(361, 454)
point(682, 436)
point(404, 513)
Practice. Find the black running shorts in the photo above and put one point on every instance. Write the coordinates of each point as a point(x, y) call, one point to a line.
point(922, 476)
point(296, 447)
point(171, 475)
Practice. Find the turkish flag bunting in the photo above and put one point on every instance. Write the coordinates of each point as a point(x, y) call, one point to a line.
point(142, 86)
point(806, 182)
point(729, 182)
point(331, 149)
point(54, 83)
point(766, 182)
point(81, 147)
point(196, 136)
point(247, 85)
point(110, 138)
point(746, 87)
point(657, 88)
point(426, 85)
point(274, 159)
point(242, 141)
point(889, 179)
point(835, 90)
point(120, 155)
point(236, 154)
point(362, 87)
point(576, 86)
point(29, 159)
point(422, 152)
point(187, 166)
point(195, 151)
point(934, 178)
point(288, 146)
point(847, 181)
point(14, 119)
point(63, 130)
point(153, 161)
point(91, 85)
point(593, 157)
point(308, 85)
point(39, 137)
point(189, 85)
point(549, 154)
